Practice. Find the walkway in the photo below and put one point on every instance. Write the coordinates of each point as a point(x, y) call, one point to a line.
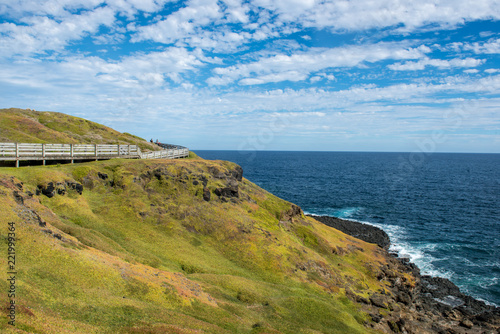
point(22, 151)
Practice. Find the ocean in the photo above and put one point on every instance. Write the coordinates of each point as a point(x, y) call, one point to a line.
point(441, 210)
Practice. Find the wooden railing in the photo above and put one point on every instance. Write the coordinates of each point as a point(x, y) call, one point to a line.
point(24, 151)
point(166, 154)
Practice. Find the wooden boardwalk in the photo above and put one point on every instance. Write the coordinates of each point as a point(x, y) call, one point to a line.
point(31, 152)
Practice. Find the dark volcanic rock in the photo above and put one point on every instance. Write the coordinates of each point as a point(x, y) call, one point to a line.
point(230, 191)
point(102, 176)
point(18, 197)
point(442, 295)
point(234, 173)
point(379, 301)
point(295, 211)
point(215, 172)
point(237, 173)
point(48, 190)
point(227, 192)
point(203, 180)
point(60, 188)
point(361, 231)
point(206, 194)
point(75, 186)
point(431, 305)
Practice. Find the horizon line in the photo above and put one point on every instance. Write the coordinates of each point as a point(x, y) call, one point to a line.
point(324, 151)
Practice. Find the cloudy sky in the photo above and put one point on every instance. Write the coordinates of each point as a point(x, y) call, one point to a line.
point(331, 75)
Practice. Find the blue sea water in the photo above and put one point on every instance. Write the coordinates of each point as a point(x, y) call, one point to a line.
point(441, 210)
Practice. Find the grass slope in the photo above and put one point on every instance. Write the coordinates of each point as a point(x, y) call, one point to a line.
point(141, 251)
point(29, 126)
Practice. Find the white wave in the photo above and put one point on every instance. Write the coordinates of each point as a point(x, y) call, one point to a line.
point(311, 214)
point(348, 212)
point(486, 302)
point(417, 254)
point(343, 213)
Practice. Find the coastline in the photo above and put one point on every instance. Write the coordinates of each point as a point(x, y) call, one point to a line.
point(431, 305)
point(365, 232)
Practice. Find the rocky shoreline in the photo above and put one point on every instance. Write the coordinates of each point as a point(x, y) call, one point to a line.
point(365, 232)
point(427, 305)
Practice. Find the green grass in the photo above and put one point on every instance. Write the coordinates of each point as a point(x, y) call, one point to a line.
point(143, 252)
point(140, 246)
point(28, 126)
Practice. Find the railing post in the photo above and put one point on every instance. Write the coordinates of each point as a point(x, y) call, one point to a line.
point(128, 150)
point(43, 153)
point(71, 152)
point(139, 153)
point(17, 155)
point(118, 149)
point(95, 151)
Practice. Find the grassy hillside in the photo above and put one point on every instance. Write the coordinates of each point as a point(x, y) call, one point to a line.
point(141, 250)
point(29, 126)
point(168, 246)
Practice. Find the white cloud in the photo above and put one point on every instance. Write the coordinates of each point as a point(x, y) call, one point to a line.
point(320, 76)
point(365, 14)
point(234, 44)
point(315, 79)
point(134, 93)
point(52, 25)
point(439, 63)
point(490, 47)
point(271, 19)
point(63, 8)
point(145, 70)
point(181, 24)
point(43, 34)
point(288, 10)
point(204, 23)
point(484, 34)
point(138, 73)
point(109, 39)
point(220, 26)
point(56, 8)
point(275, 77)
point(274, 68)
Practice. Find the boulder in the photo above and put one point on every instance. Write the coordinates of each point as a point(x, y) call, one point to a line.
point(230, 191)
point(206, 194)
point(379, 300)
point(237, 173)
point(48, 190)
point(75, 186)
point(467, 323)
point(102, 176)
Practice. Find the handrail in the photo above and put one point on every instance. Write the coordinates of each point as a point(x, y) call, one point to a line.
point(21, 150)
point(166, 154)
point(31, 151)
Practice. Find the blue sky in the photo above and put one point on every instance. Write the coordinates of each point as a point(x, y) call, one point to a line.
point(359, 75)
